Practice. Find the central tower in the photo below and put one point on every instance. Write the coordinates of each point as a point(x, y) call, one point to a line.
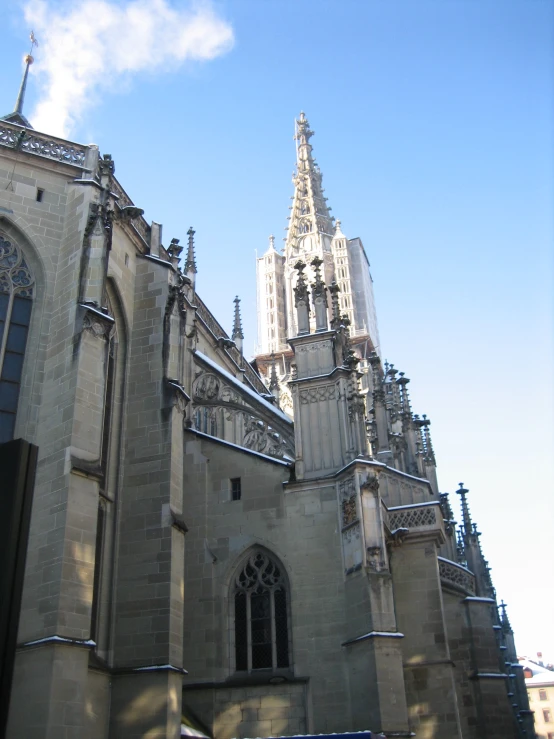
point(312, 234)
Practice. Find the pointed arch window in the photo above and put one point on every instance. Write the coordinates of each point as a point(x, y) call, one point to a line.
point(16, 296)
point(261, 621)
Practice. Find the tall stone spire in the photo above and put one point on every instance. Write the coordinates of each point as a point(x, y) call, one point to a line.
point(310, 228)
point(237, 334)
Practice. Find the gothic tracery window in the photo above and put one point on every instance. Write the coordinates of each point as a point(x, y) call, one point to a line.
point(261, 615)
point(16, 294)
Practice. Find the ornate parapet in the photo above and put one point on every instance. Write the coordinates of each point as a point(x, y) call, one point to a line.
point(22, 139)
point(454, 575)
point(418, 518)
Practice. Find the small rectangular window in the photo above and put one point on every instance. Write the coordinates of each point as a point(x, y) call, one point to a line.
point(126, 260)
point(235, 488)
point(547, 715)
point(40, 193)
point(542, 695)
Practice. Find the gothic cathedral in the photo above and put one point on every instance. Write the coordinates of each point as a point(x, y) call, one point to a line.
point(220, 548)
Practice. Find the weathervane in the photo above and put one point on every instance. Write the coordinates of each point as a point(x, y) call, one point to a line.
point(34, 42)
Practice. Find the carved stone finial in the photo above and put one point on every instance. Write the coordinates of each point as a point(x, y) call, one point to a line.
point(427, 444)
point(273, 379)
point(334, 291)
point(272, 242)
point(351, 361)
point(302, 299)
point(106, 166)
point(404, 395)
point(319, 296)
point(237, 334)
point(466, 516)
point(303, 131)
point(504, 620)
point(190, 264)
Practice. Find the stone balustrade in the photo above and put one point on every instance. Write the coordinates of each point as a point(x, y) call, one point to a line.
point(415, 517)
point(457, 576)
point(24, 139)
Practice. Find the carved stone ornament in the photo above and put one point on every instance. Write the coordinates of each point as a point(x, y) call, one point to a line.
point(315, 347)
point(349, 511)
point(371, 484)
point(347, 488)
point(259, 437)
point(210, 392)
point(317, 394)
point(15, 275)
point(94, 324)
point(181, 399)
point(207, 387)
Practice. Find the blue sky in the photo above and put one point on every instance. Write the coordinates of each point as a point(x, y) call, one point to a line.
point(433, 123)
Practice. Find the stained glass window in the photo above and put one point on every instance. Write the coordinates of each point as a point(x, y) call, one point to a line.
point(16, 294)
point(261, 615)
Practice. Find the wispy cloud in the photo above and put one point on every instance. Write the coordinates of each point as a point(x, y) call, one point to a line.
point(90, 45)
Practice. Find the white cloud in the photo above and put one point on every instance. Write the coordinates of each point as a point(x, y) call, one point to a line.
point(90, 45)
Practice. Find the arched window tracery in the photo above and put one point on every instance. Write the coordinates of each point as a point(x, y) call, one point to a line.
point(261, 622)
point(16, 295)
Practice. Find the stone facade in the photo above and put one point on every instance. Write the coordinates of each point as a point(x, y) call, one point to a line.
point(197, 561)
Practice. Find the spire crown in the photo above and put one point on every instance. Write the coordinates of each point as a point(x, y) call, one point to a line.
point(303, 131)
point(310, 225)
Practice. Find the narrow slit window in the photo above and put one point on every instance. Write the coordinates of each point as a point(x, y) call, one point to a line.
point(40, 194)
point(236, 491)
